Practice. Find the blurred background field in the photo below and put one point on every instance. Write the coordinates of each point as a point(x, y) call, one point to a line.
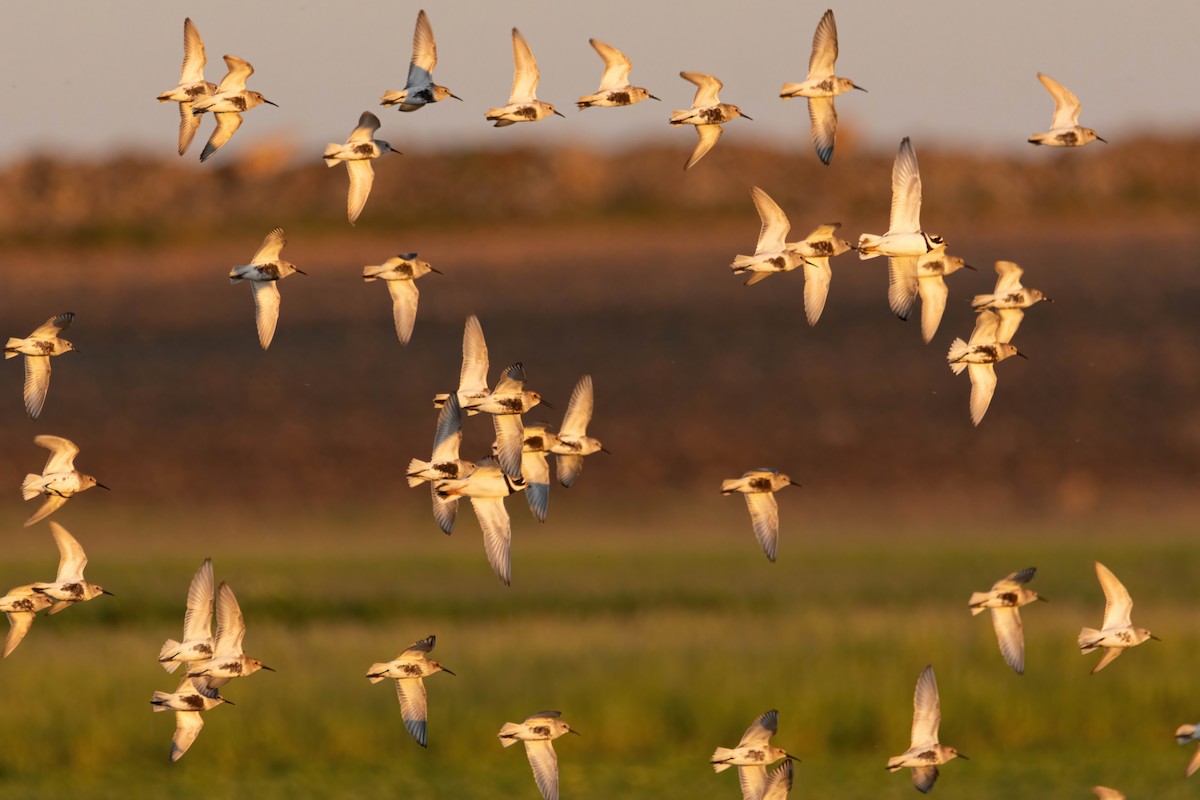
point(660, 632)
point(643, 607)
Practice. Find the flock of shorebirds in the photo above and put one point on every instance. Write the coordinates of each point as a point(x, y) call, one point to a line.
point(918, 264)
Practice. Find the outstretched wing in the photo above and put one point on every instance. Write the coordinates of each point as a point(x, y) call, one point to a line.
point(473, 376)
point(227, 124)
point(235, 78)
point(708, 134)
point(62, 453)
point(368, 123)
point(37, 384)
point(545, 766)
point(761, 730)
point(906, 191)
point(71, 558)
point(616, 66)
point(197, 620)
point(1011, 637)
point(525, 71)
point(902, 284)
point(824, 49)
point(579, 409)
point(194, 58)
point(413, 708)
point(707, 88)
point(497, 534)
point(823, 115)
point(764, 513)
point(927, 710)
point(775, 225)
point(1066, 104)
point(362, 175)
point(272, 246)
point(1118, 605)
point(266, 310)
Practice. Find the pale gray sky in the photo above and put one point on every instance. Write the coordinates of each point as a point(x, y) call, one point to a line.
point(81, 77)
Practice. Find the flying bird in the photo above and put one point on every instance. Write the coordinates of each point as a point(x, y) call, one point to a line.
point(264, 272)
point(931, 270)
point(1009, 299)
point(409, 669)
point(707, 113)
point(905, 242)
point(1190, 733)
point(753, 754)
point(357, 153)
point(59, 481)
point(771, 253)
point(472, 378)
point(615, 89)
point(572, 443)
point(228, 659)
point(821, 86)
point(817, 249)
point(1004, 599)
point(1117, 633)
point(227, 104)
point(926, 752)
point(759, 487)
point(21, 604)
point(487, 486)
point(192, 85)
point(537, 732)
point(979, 357)
point(1065, 130)
point(523, 105)
point(506, 403)
point(37, 348)
point(420, 90)
point(192, 697)
point(401, 273)
point(69, 586)
point(444, 464)
point(197, 644)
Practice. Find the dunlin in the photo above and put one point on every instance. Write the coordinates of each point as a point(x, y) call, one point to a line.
point(21, 604)
point(187, 702)
point(980, 356)
point(932, 268)
point(523, 105)
point(358, 151)
point(487, 486)
point(615, 89)
point(506, 403)
point(817, 248)
point(771, 253)
point(264, 272)
point(419, 90)
point(1009, 299)
point(925, 753)
point(1065, 130)
point(444, 463)
point(1117, 633)
point(707, 113)
point(401, 273)
point(759, 487)
point(821, 86)
point(409, 668)
point(59, 481)
point(472, 378)
point(1183, 735)
point(753, 754)
point(228, 660)
point(192, 85)
point(572, 443)
point(69, 586)
point(228, 103)
point(1006, 596)
point(197, 644)
point(37, 348)
point(537, 732)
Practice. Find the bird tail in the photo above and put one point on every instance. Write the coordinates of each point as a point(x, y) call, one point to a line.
point(789, 90)
point(331, 153)
point(12, 343)
point(1087, 640)
point(439, 400)
point(865, 243)
point(508, 733)
point(730, 486)
point(981, 300)
point(741, 264)
point(372, 273)
point(391, 98)
point(977, 601)
point(164, 655)
point(28, 488)
point(719, 757)
point(160, 700)
point(958, 349)
point(414, 466)
point(680, 116)
point(375, 673)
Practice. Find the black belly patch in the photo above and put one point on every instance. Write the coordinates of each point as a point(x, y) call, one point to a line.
point(1070, 138)
point(619, 98)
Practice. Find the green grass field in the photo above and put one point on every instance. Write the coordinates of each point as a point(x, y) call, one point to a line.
point(659, 635)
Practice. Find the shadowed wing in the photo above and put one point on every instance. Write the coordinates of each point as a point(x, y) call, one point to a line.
point(761, 730)
point(187, 727)
point(227, 124)
point(413, 710)
point(368, 123)
point(51, 328)
point(823, 116)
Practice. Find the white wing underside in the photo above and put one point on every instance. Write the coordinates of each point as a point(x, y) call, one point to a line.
point(764, 514)
point(579, 409)
point(1011, 637)
point(404, 307)
point(817, 277)
point(1118, 605)
point(775, 226)
point(616, 66)
point(933, 304)
point(71, 558)
point(266, 310)
point(902, 284)
point(906, 191)
point(362, 175)
point(824, 49)
point(411, 694)
point(497, 534)
point(544, 762)
point(525, 72)
point(37, 384)
point(197, 620)
point(708, 135)
point(983, 386)
point(473, 377)
point(708, 88)
point(823, 115)
point(1066, 104)
point(927, 710)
